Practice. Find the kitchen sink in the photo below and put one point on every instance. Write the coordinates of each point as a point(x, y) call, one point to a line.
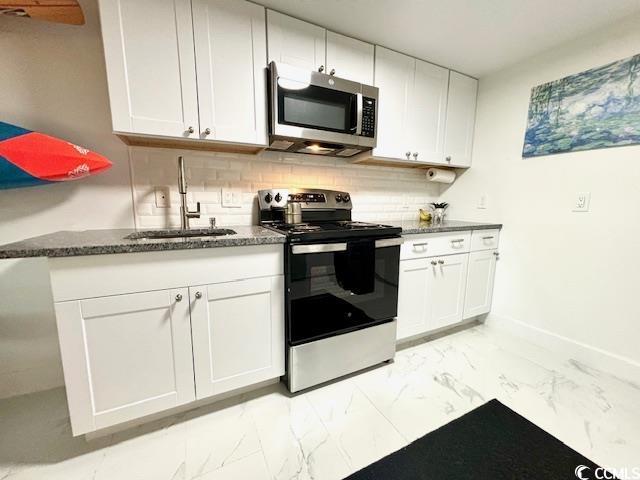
point(194, 232)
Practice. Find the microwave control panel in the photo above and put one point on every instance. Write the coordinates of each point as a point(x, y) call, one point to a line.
point(368, 117)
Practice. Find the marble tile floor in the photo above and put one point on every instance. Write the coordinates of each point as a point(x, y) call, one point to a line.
point(334, 430)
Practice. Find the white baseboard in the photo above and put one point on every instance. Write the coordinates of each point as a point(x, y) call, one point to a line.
point(605, 361)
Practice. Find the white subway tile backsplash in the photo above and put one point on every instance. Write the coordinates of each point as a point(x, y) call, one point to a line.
point(379, 193)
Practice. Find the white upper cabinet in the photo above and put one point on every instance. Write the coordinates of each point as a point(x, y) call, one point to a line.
point(461, 117)
point(427, 108)
point(349, 58)
point(230, 46)
point(412, 108)
point(295, 42)
point(150, 66)
point(393, 76)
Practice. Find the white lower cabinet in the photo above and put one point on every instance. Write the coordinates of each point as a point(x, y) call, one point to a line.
point(448, 290)
point(238, 333)
point(480, 279)
point(439, 288)
point(145, 332)
point(127, 356)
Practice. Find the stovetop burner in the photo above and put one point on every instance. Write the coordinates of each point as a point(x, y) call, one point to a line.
point(326, 216)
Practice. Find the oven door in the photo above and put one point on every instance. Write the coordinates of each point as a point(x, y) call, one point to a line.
point(315, 106)
point(326, 297)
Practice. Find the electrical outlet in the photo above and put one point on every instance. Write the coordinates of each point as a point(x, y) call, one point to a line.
point(582, 201)
point(483, 201)
point(231, 197)
point(162, 197)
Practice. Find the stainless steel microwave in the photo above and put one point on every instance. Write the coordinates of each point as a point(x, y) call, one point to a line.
point(311, 112)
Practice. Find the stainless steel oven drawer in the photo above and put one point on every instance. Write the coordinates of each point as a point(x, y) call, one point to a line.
point(317, 362)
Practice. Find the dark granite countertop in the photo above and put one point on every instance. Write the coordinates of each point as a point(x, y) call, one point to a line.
point(100, 242)
point(415, 226)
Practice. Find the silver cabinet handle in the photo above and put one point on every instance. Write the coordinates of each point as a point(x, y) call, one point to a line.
point(198, 294)
point(332, 72)
point(497, 254)
point(408, 154)
point(415, 155)
point(179, 297)
point(487, 238)
point(441, 262)
point(207, 131)
point(191, 130)
point(457, 240)
point(434, 263)
point(321, 69)
point(448, 158)
point(423, 244)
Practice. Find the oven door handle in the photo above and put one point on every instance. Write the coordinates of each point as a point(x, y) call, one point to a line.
point(341, 247)
point(389, 242)
point(318, 248)
point(359, 109)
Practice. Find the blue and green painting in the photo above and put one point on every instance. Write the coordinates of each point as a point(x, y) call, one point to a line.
point(598, 108)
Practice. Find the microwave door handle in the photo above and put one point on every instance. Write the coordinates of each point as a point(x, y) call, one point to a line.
point(358, 114)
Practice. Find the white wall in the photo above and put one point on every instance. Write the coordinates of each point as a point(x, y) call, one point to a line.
point(53, 80)
point(573, 275)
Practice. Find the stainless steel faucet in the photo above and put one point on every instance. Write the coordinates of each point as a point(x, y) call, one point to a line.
point(185, 213)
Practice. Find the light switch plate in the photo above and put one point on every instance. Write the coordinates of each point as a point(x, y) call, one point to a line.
point(582, 202)
point(162, 197)
point(231, 197)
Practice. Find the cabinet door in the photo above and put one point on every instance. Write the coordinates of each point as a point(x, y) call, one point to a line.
point(125, 356)
point(238, 333)
point(480, 279)
point(448, 290)
point(461, 118)
point(427, 106)
point(393, 75)
point(350, 58)
point(414, 297)
point(230, 45)
point(295, 42)
point(150, 66)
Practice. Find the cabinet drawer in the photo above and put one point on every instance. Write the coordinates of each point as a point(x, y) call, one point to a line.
point(432, 244)
point(484, 240)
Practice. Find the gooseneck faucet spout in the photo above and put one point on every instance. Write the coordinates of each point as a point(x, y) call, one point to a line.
point(185, 213)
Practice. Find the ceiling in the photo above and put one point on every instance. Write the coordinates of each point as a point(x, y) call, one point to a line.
point(476, 37)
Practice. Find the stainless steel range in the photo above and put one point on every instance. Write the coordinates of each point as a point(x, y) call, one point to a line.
point(341, 280)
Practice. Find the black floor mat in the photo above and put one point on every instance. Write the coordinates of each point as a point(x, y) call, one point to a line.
point(491, 442)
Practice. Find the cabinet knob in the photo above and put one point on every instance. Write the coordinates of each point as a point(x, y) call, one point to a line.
point(191, 130)
point(321, 69)
point(198, 294)
point(207, 131)
point(332, 72)
point(179, 297)
point(441, 262)
point(434, 263)
point(497, 254)
point(408, 154)
point(415, 155)
point(448, 159)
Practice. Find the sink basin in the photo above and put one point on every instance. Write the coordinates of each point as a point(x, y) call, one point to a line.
point(194, 232)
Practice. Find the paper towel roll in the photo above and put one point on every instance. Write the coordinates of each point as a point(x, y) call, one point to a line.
point(441, 176)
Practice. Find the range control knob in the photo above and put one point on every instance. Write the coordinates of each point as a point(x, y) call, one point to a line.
point(346, 198)
point(338, 198)
point(278, 197)
point(268, 197)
